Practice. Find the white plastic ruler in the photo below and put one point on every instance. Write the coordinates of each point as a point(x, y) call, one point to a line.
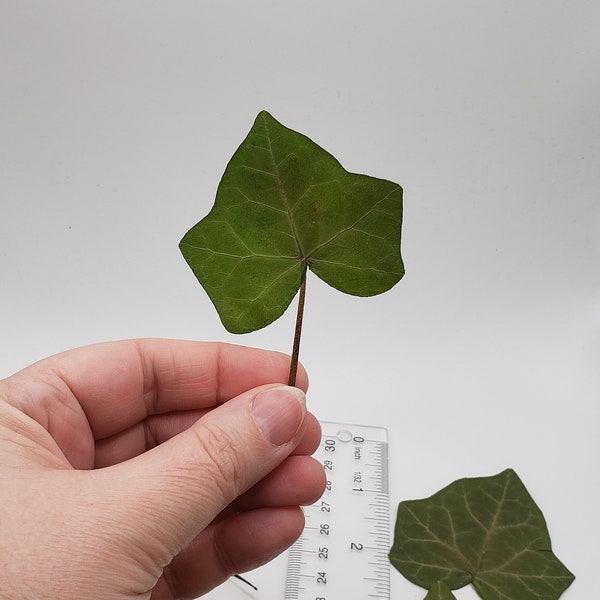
point(343, 551)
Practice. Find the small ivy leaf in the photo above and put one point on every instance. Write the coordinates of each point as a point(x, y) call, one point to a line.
point(486, 531)
point(440, 591)
point(284, 205)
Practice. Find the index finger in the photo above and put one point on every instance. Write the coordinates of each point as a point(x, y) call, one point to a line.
point(118, 384)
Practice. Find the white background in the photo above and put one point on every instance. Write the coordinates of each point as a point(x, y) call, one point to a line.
point(117, 119)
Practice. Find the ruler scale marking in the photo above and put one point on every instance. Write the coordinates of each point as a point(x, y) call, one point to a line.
point(343, 551)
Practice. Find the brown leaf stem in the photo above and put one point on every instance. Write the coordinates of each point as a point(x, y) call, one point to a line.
point(298, 332)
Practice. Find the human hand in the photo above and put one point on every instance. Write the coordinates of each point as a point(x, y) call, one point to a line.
point(150, 469)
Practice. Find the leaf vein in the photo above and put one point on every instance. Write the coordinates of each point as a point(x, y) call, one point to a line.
point(257, 170)
point(359, 220)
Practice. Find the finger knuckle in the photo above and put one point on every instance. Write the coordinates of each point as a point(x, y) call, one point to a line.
point(221, 462)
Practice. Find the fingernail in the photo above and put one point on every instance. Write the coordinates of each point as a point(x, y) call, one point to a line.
point(279, 413)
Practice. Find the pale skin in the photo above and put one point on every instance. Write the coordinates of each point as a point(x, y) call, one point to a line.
point(150, 469)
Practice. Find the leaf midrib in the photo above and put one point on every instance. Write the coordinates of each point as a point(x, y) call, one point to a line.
point(282, 190)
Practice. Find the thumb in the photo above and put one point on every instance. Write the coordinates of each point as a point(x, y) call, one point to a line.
point(175, 490)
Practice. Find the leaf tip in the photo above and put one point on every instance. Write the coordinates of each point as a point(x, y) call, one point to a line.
point(440, 591)
point(264, 115)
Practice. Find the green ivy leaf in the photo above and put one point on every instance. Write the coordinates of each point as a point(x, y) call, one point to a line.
point(284, 205)
point(485, 531)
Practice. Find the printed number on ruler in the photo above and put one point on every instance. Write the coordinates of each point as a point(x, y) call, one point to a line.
point(343, 551)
